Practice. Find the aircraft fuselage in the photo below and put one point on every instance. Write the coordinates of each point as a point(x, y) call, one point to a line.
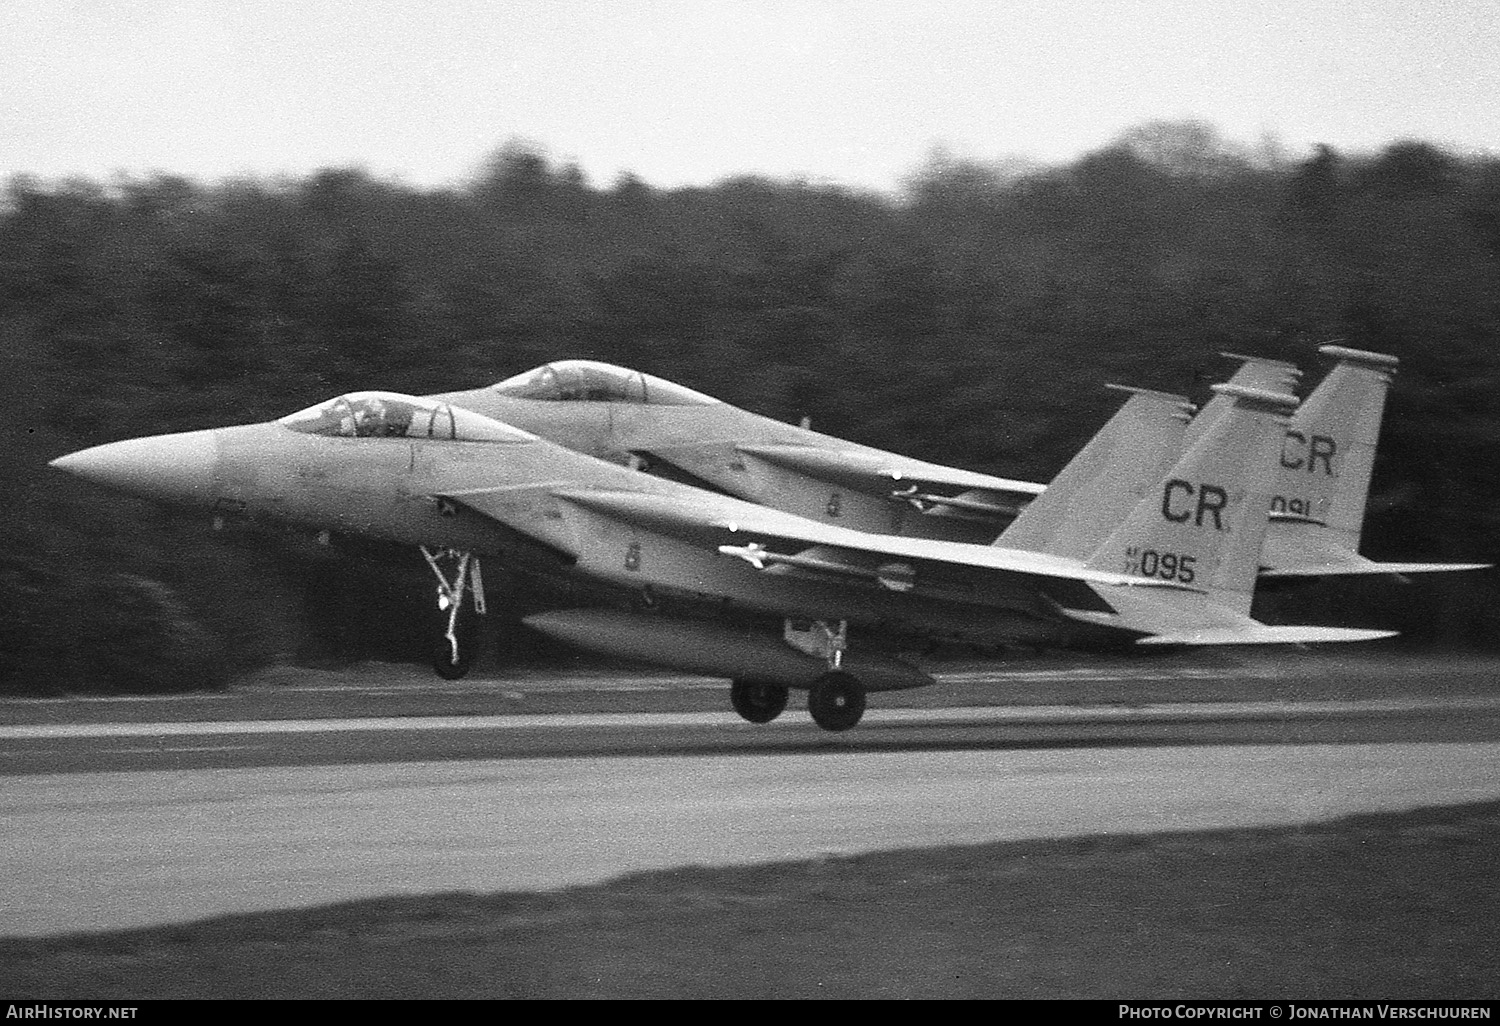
point(391, 489)
point(707, 446)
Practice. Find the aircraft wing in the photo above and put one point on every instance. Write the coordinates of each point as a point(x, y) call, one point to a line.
point(1159, 612)
point(751, 532)
point(515, 507)
point(885, 473)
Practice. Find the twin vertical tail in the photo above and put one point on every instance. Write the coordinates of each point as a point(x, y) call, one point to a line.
point(1322, 470)
point(1192, 543)
point(1203, 525)
point(1193, 536)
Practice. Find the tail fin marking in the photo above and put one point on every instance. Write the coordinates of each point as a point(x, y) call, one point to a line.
point(1205, 521)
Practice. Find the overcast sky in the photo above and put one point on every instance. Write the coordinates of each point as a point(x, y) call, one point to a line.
point(691, 91)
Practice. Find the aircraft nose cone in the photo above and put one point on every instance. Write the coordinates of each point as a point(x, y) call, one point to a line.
point(166, 468)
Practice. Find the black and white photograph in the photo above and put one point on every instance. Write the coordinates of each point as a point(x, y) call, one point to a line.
point(751, 500)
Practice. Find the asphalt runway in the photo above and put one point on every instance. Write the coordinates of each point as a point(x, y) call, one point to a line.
point(129, 824)
point(205, 745)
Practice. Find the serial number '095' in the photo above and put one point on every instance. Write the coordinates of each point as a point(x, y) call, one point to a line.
point(1169, 566)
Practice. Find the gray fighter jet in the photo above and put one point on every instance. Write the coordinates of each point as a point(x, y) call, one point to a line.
point(1163, 549)
point(649, 423)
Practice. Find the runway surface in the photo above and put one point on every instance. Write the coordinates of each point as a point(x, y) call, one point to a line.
point(212, 744)
point(128, 824)
point(102, 851)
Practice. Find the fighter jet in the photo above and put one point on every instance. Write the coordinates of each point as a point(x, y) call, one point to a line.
point(649, 423)
point(1179, 535)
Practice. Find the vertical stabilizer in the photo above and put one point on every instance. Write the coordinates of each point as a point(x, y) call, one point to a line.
point(1255, 372)
point(1323, 471)
point(1205, 521)
point(1105, 481)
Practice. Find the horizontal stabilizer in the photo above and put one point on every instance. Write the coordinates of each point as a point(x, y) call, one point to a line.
point(1175, 618)
point(1295, 549)
point(1362, 566)
point(1264, 635)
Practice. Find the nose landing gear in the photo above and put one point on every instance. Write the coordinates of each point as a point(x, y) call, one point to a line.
point(455, 650)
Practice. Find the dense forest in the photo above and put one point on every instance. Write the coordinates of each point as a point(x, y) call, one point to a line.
point(970, 319)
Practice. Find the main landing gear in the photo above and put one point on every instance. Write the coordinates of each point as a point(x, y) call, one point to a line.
point(836, 699)
point(455, 650)
point(758, 703)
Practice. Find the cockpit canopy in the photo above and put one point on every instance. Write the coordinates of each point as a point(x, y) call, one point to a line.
point(392, 415)
point(592, 381)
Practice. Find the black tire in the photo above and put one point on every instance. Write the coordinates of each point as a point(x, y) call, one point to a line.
point(836, 701)
point(758, 703)
point(470, 631)
point(446, 666)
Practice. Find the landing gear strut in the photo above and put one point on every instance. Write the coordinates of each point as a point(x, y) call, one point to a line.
point(836, 700)
point(758, 703)
point(455, 650)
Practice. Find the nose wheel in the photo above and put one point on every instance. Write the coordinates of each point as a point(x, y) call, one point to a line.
point(455, 650)
point(452, 661)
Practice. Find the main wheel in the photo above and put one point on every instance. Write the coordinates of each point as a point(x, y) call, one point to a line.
point(758, 703)
point(836, 701)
